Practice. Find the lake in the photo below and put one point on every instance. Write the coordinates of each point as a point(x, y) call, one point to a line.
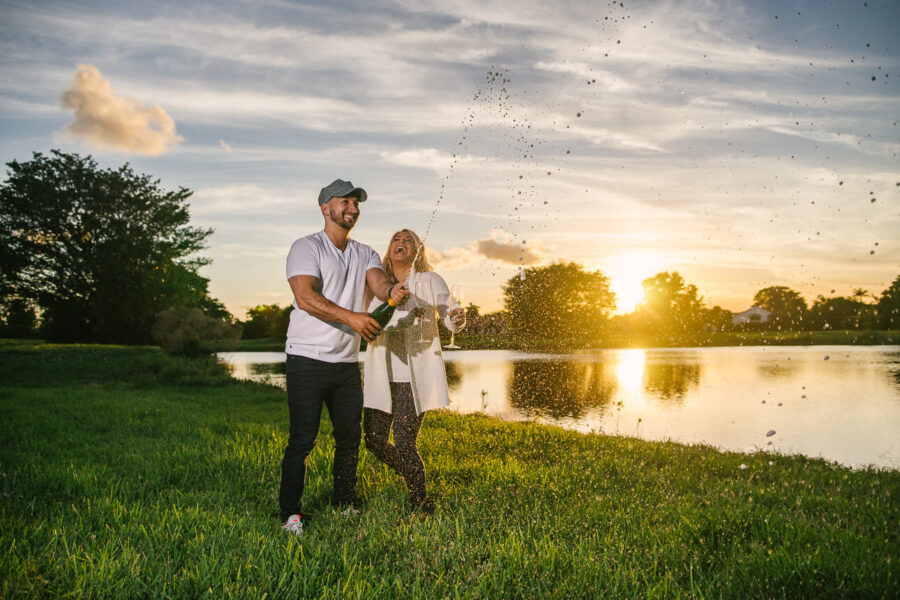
point(841, 403)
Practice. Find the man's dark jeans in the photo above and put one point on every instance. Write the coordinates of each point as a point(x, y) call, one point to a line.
point(310, 384)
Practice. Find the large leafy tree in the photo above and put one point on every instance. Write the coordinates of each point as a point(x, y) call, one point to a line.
point(100, 252)
point(560, 302)
point(787, 306)
point(670, 305)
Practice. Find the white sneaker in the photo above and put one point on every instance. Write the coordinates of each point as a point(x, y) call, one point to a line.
point(294, 524)
point(349, 512)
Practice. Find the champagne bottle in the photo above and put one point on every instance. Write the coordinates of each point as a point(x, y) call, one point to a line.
point(382, 314)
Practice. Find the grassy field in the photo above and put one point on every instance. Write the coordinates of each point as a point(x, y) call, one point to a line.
point(125, 473)
point(470, 341)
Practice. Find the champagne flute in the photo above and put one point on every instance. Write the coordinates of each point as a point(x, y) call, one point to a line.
point(424, 300)
point(457, 296)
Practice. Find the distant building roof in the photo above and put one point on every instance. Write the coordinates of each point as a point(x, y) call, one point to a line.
point(754, 314)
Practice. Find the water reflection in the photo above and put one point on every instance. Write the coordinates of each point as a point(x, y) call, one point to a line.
point(560, 388)
point(268, 368)
point(777, 369)
point(671, 382)
point(893, 361)
point(630, 368)
point(844, 408)
point(454, 374)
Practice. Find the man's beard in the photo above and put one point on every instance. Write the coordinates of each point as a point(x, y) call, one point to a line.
point(338, 219)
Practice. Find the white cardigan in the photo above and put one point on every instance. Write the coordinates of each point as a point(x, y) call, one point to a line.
point(428, 378)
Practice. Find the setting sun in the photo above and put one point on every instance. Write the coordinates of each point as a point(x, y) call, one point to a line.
point(626, 272)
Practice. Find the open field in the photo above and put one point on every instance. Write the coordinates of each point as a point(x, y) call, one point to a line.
point(126, 473)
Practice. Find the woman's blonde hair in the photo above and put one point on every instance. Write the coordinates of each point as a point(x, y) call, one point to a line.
point(419, 266)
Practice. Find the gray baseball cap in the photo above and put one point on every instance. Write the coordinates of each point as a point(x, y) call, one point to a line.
point(340, 189)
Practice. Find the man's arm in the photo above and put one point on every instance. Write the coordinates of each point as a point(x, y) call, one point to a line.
point(378, 282)
point(310, 300)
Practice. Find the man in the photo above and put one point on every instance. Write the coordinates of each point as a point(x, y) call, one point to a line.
point(328, 274)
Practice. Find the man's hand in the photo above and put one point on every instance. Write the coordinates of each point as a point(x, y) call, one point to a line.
point(367, 327)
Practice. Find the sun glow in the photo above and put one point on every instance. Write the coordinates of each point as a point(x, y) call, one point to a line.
point(630, 370)
point(626, 272)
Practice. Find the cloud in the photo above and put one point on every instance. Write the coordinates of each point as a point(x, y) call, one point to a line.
point(510, 252)
point(499, 247)
point(106, 120)
point(449, 260)
point(225, 146)
point(241, 202)
point(425, 158)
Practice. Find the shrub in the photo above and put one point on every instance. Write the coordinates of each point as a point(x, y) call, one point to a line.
point(188, 331)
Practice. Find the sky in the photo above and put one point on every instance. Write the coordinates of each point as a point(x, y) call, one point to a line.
point(744, 144)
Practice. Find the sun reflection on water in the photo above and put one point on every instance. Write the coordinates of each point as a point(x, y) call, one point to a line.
point(630, 372)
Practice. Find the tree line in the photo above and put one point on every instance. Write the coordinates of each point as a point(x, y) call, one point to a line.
point(107, 255)
point(565, 303)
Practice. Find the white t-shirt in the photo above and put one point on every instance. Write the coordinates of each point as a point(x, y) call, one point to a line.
point(342, 280)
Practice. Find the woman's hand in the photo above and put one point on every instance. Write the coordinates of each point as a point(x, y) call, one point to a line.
point(400, 294)
point(457, 317)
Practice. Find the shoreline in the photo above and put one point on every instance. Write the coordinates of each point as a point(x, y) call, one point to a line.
point(717, 340)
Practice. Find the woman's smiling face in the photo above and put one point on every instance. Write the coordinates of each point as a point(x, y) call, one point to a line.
point(403, 248)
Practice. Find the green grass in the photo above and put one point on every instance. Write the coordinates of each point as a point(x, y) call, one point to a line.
point(125, 473)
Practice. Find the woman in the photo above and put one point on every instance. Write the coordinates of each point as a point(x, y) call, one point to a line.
point(404, 371)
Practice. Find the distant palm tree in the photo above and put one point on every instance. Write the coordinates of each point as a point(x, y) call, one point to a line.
point(860, 293)
point(865, 314)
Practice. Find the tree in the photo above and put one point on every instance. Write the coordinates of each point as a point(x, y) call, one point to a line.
point(836, 313)
point(560, 302)
point(100, 252)
point(18, 319)
point(494, 323)
point(670, 305)
point(473, 314)
point(860, 293)
point(717, 319)
point(787, 306)
point(267, 321)
point(889, 306)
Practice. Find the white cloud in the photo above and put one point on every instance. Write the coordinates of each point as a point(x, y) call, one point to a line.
point(239, 200)
point(227, 148)
point(451, 259)
point(106, 120)
point(500, 247)
point(426, 158)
